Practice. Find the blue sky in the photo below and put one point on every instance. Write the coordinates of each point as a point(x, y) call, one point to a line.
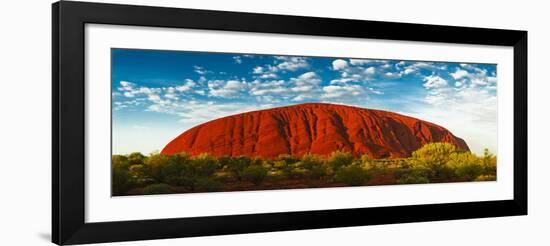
point(156, 95)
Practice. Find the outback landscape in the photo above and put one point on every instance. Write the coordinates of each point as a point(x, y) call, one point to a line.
point(200, 121)
point(308, 145)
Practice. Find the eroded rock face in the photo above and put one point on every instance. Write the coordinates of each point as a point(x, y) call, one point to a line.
point(315, 128)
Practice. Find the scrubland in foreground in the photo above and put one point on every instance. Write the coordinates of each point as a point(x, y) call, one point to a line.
point(136, 174)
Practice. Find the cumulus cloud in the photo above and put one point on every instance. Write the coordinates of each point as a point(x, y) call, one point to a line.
point(354, 71)
point(392, 75)
point(459, 73)
point(189, 84)
point(291, 63)
point(408, 68)
point(276, 87)
point(228, 89)
point(282, 64)
point(360, 62)
point(434, 81)
point(344, 91)
point(258, 70)
point(339, 64)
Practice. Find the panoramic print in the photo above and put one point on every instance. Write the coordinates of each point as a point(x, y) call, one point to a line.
point(187, 122)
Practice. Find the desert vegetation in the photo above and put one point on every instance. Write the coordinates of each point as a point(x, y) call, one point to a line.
point(137, 174)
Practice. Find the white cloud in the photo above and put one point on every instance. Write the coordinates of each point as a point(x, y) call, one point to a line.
point(341, 81)
point(268, 76)
point(370, 70)
point(200, 70)
point(339, 64)
point(417, 66)
point(126, 84)
point(345, 91)
point(359, 62)
point(259, 88)
point(469, 113)
point(309, 78)
point(436, 98)
point(292, 63)
point(354, 73)
point(187, 86)
point(154, 97)
point(409, 70)
point(226, 89)
point(302, 97)
point(258, 70)
point(434, 81)
point(459, 73)
point(237, 59)
point(392, 75)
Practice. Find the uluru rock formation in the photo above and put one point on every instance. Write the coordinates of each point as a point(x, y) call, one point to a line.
point(315, 128)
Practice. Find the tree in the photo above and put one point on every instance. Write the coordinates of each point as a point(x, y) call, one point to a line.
point(339, 159)
point(352, 175)
point(237, 165)
point(433, 156)
point(162, 166)
point(121, 182)
point(120, 162)
point(314, 166)
point(255, 174)
point(466, 165)
point(205, 165)
point(489, 163)
point(223, 161)
point(288, 159)
point(414, 175)
point(136, 158)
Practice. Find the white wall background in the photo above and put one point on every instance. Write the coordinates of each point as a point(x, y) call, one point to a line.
point(25, 122)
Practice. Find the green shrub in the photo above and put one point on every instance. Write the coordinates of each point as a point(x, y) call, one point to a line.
point(413, 179)
point(223, 161)
point(352, 175)
point(237, 165)
point(160, 166)
point(121, 181)
point(414, 175)
point(288, 159)
point(433, 156)
point(466, 165)
point(489, 162)
point(136, 158)
point(316, 172)
point(314, 166)
point(339, 159)
point(205, 165)
point(255, 174)
point(120, 162)
point(157, 189)
point(434, 162)
point(284, 167)
point(298, 173)
point(208, 184)
point(369, 163)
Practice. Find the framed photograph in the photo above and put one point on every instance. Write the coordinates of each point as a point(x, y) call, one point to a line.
point(175, 122)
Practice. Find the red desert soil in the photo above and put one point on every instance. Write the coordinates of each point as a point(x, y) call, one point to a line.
point(315, 128)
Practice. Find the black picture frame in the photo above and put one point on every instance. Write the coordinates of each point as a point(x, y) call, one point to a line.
point(68, 118)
